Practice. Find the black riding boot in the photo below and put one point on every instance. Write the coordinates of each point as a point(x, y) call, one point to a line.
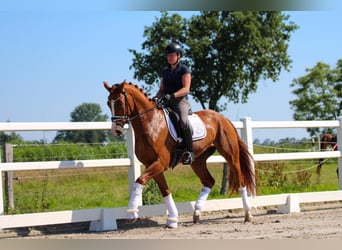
point(189, 156)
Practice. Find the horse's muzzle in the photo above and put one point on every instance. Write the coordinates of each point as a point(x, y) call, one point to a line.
point(117, 129)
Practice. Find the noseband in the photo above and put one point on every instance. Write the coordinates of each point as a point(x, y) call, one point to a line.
point(127, 115)
point(116, 118)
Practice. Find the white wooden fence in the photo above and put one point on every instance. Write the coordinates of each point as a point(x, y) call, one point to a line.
point(103, 219)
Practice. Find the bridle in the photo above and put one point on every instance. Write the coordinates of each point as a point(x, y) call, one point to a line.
point(127, 116)
point(114, 117)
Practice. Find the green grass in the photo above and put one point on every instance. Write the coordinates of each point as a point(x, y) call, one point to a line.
point(55, 190)
point(66, 189)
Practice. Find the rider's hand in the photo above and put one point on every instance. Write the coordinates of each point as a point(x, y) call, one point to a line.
point(169, 97)
point(156, 99)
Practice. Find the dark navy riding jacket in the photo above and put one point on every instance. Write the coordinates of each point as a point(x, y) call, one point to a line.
point(172, 79)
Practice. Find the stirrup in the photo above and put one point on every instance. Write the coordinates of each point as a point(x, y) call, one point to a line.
point(188, 158)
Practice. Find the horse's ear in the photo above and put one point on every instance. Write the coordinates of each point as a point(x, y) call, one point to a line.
point(107, 86)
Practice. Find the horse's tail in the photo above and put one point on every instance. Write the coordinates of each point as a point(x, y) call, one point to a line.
point(247, 164)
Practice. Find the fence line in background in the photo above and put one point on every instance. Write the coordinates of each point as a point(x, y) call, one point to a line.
point(105, 219)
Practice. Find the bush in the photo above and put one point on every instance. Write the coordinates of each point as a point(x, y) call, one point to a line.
point(273, 177)
point(271, 174)
point(151, 194)
point(61, 152)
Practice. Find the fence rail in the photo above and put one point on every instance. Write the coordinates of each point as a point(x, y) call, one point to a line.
point(105, 218)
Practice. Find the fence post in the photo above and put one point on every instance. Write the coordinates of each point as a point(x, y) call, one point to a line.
point(1, 192)
point(8, 157)
point(134, 171)
point(319, 143)
point(247, 136)
point(339, 146)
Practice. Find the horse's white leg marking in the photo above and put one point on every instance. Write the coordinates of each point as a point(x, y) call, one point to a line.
point(203, 196)
point(172, 220)
point(132, 210)
point(246, 205)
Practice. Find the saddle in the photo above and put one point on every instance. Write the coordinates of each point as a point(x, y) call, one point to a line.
point(196, 124)
point(172, 120)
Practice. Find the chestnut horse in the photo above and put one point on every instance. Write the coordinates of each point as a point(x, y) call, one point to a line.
point(328, 141)
point(154, 147)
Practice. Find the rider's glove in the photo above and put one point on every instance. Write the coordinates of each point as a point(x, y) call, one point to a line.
point(156, 99)
point(169, 97)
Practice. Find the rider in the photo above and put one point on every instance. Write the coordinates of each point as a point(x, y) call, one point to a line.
point(174, 88)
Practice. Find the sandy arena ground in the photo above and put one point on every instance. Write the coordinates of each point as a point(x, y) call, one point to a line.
point(315, 221)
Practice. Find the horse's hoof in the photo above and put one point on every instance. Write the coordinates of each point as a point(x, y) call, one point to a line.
point(131, 221)
point(132, 216)
point(248, 217)
point(196, 216)
point(172, 222)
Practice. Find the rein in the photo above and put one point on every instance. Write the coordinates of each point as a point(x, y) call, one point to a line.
point(127, 117)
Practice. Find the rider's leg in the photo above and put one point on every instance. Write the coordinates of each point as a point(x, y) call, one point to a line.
point(187, 137)
point(184, 108)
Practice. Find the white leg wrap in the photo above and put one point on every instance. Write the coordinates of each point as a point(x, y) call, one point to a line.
point(132, 210)
point(171, 206)
point(245, 201)
point(172, 220)
point(203, 196)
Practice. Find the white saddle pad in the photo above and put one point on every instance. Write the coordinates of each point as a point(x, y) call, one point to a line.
point(198, 127)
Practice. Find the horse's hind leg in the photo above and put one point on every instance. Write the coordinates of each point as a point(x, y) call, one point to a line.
point(246, 204)
point(319, 167)
point(200, 168)
point(240, 164)
point(199, 205)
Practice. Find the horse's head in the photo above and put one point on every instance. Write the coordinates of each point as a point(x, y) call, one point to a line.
point(119, 107)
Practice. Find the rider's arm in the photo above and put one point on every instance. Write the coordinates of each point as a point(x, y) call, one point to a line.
point(161, 89)
point(186, 81)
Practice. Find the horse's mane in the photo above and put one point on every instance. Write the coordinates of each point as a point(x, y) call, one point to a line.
point(138, 88)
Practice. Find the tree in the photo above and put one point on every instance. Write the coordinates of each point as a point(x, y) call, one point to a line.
point(86, 112)
point(319, 95)
point(228, 52)
point(12, 137)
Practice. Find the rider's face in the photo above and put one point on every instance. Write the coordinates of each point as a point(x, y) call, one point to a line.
point(172, 58)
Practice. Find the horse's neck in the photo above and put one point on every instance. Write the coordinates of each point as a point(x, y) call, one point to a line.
point(144, 116)
point(141, 104)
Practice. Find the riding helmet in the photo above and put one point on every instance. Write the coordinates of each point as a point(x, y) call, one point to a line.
point(174, 48)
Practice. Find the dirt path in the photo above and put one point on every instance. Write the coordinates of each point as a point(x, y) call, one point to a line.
point(321, 221)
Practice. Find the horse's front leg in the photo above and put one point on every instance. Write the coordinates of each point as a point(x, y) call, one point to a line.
point(172, 219)
point(245, 203)
point(136, 196)
point(134, 202)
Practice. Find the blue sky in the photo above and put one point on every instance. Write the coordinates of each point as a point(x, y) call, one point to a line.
point(52, 61)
